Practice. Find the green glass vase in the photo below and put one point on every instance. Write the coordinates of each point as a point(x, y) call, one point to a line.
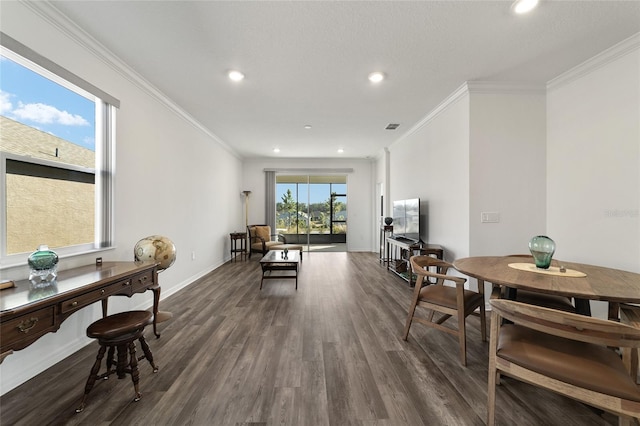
point(43, 265)
point(542, 249)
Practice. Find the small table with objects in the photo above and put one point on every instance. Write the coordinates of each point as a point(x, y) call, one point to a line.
point(242, 238)
point(399, 250)
point(284, 264)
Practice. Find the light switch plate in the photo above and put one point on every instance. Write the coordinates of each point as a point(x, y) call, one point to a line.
point(490, 217)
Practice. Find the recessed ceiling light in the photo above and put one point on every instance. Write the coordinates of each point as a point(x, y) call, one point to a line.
point(307, 126)
point(376, 77)
point(236, 75)
point(524, 6)
point(340, 150)
point(276, 150)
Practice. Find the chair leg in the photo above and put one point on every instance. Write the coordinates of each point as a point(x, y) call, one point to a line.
point(494, 375)
point(93, 375)
point(483, 322)
point(462, 336)
point(491, 393)
point(412, 310)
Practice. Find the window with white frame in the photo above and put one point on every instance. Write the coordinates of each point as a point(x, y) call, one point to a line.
point(56, 157)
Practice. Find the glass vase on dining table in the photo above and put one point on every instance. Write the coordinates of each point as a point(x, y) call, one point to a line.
point(542, 249)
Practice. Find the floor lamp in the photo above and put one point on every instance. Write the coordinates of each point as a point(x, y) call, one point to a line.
point(246, 208)
point(246, 218)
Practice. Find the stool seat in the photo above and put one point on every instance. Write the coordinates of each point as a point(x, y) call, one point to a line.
point(120, 324)
point(119, 331)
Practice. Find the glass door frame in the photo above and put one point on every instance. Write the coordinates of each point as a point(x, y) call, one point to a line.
point(306, 179)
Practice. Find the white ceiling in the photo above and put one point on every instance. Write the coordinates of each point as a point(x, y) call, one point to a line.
point(306, 62)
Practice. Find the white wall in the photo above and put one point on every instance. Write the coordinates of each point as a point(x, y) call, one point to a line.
point(431, 162)
point(361, 208)
point(507, 168)
point(566, 164)
point(593, 159)
point(161, 185)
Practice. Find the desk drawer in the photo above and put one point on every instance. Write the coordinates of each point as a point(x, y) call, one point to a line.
point(27, 327)
point(141, 282)
point(93, 296)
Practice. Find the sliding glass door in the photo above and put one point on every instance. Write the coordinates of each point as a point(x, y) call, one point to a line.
point(312, 210)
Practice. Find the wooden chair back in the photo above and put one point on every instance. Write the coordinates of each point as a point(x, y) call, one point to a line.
point(568, 325)
point(571, 344)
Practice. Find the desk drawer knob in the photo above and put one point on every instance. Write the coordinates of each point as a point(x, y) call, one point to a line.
point(27, 325)
point(102, 291)
point(126, 283)
point(142, 280)
point(74, 304)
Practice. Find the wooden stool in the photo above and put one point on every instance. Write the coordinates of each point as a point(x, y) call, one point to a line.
point(119, 331)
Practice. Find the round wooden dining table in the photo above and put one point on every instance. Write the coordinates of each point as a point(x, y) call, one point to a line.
point(598, 283)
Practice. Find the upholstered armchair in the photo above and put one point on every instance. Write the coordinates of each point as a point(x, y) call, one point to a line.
point(261, 238)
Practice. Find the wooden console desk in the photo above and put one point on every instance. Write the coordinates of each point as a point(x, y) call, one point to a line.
point(28, 313)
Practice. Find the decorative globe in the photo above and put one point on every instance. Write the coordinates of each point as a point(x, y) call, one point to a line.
point(157, 248)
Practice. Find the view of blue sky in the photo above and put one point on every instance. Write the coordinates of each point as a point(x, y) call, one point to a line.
point(319, 193)
point(33, 100)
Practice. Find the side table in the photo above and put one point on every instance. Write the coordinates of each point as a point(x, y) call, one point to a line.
point(235, 237)
point(385, 231)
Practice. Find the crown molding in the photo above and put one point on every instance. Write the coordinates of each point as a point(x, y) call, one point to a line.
point(476, 88)
point(310, 170)
point(53, 16)
point(505, 87)
point(603, 58)
point(453, 98)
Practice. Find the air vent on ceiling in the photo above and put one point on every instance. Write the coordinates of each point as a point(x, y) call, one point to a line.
point(392, 126)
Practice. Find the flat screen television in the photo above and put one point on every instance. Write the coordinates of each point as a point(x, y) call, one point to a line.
point(406, 219)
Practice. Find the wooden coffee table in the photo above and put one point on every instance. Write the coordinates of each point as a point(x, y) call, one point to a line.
point(275, 261)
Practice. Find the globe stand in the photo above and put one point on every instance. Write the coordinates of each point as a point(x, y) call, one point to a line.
point(161, 250)
point(163, 316)
point(159, 316)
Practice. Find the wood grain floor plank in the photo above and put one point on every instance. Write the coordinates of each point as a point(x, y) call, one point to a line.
point(327, 354)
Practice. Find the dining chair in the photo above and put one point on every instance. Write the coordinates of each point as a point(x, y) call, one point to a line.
point(531, 297)
point(454, 300)
point(563, 352)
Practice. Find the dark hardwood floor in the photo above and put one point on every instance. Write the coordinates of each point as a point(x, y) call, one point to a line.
point(329, 353)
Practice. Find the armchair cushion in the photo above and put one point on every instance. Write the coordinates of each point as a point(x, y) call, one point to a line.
point(263, 232)
point(259, 247)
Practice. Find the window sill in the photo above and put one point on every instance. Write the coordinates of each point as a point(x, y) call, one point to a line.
point(20, 260)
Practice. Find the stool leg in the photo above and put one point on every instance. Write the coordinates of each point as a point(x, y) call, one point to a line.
point(147, 353)
point(110, 361)
point(121, 366)
point(135, 374)
point(92, 376)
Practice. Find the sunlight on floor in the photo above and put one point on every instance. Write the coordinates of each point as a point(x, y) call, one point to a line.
point(328, 247)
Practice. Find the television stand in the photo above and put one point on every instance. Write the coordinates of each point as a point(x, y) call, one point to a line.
point(400, 249)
